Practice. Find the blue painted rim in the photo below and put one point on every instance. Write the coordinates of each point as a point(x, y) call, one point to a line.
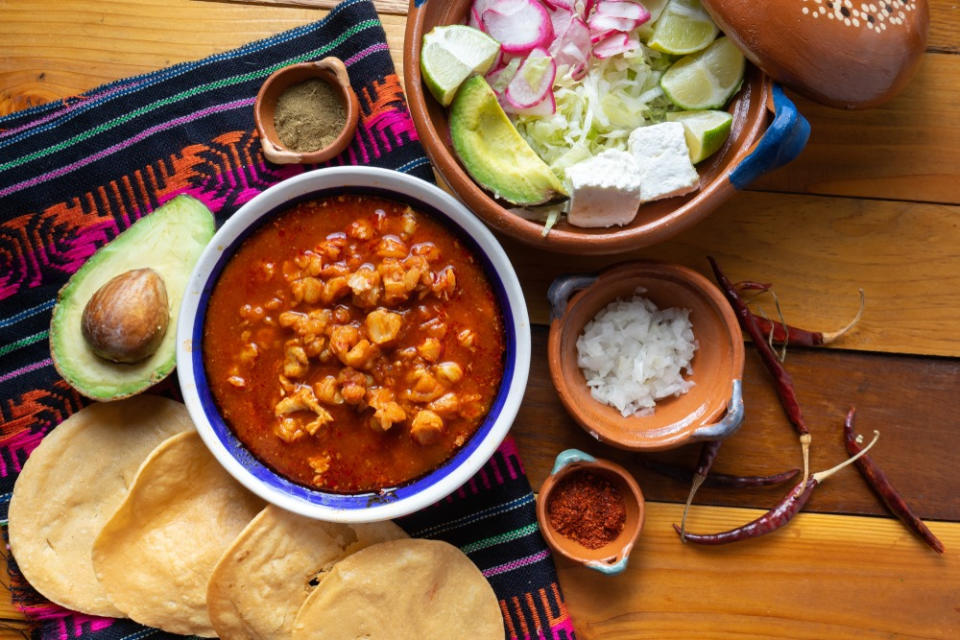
point(358, 501)
point(783, 141)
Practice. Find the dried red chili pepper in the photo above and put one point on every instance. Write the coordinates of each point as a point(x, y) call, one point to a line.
point(781, 332)
point(779, 515)
point(877, 480)
point(753, 285)
point(719, 480)
point(784, 382)
point(587, 508)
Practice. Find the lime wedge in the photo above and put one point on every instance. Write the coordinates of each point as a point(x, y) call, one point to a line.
point(654, 8)
point(683, 27)
point(453, 53)
point(705, 131)
point(707, 79)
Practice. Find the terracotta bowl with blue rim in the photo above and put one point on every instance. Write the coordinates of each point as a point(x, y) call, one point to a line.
point(711, 410)
point(767, 132)
point(612, 557)
point(390, 502)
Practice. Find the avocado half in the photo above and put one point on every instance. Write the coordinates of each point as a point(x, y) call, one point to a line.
point(494, 153)
point(169, 241)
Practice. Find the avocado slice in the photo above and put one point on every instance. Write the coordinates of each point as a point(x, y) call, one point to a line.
point(169, 241)
point(494, 153)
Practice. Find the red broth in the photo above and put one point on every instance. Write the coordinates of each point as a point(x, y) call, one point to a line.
point(353, 343)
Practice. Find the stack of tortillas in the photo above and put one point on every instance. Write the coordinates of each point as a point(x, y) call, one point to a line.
point(122, 511)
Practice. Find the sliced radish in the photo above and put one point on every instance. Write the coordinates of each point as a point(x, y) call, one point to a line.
point(518, 25)
point(602, 25)
point(560, 4)
point(500, 77)
point(560, 19)
point(476, 11)
point(572, 48)
point(533, 80)
point(626, 9)
point(616, 15)
point(615, 43)
point(546, 107)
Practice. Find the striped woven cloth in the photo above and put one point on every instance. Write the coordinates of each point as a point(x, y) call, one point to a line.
point(76, 172)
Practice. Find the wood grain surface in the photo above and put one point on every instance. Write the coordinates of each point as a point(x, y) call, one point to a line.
point(902, 150)
point(823, 577)
point(817, 251)
point(873, 202)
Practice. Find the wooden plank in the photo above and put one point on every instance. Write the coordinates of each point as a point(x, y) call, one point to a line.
point(837, 577)
point(907, 149)
point(397, 7)
point(10, 616)
point(908, 399)
point(817, 251)
point(944, 26)
point(14, 630)
point(81, 44)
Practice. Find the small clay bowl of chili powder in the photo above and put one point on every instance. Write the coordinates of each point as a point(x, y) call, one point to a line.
point(306, 113)
point(590, 511)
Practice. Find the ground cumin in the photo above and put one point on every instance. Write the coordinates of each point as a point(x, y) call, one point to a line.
point(587, 508)
point(309, 116)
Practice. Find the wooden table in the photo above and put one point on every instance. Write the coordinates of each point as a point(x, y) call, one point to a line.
point(873, 202)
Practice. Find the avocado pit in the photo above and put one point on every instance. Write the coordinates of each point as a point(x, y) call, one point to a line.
point(125, 319)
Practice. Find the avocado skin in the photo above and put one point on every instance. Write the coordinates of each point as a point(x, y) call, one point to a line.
point(168, 240)
point(494, 153)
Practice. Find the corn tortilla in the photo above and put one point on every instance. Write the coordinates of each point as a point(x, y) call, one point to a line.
point(402, 590)
point(70, 486)
point(269, 570)
point(155, 555)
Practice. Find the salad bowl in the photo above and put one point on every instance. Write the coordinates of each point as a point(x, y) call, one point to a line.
point(766, 132)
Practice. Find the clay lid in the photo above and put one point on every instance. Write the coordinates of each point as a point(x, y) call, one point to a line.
point(843, 53)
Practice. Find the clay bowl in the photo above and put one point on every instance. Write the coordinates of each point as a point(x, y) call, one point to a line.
point(611, 558)
point(655, 222)
point(330, 70)
point(711, 410)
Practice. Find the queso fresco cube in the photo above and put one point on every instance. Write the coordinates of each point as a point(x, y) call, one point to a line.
point(609, 187)
point(607, 190)
point(663, 159)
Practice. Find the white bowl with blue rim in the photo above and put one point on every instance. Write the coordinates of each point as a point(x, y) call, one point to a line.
point(391, 502)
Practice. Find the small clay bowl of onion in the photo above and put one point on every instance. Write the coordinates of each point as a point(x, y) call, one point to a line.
point(590, 511)
point(646, 356)
point(306, 113)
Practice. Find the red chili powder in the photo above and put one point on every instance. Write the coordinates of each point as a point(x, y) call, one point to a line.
point(587, 508)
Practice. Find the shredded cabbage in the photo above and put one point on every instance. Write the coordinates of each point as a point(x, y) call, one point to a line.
point(598, 111)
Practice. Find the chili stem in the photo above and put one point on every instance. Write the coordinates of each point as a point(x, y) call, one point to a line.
point(708, 454)
point(782, 378)
point(891, 498)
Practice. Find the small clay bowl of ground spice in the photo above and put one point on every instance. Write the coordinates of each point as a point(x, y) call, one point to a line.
point(306, 113)
point(590, 511)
